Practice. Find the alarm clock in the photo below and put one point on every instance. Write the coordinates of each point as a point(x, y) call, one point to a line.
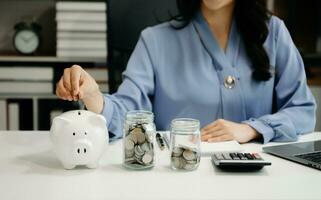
point(26, 39)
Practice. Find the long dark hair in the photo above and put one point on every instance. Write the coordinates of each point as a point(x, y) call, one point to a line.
point(251, 18)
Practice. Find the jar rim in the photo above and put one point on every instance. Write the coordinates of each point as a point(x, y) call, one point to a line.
point(140, 115)
point(185, 124)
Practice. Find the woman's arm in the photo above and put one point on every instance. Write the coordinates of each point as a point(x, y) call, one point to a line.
point(136, 89)
point(133, 94)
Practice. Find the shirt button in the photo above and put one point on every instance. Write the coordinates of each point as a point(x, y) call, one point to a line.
point(229, 82)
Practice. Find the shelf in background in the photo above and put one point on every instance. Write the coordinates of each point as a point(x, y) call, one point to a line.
point(50, 59)
point(312, 60)
point(28, 96)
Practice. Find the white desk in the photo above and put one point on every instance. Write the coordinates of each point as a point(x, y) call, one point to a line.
point(30, 170)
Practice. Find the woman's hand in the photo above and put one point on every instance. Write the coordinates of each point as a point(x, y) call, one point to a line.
point(76, 84)
point(223, 130)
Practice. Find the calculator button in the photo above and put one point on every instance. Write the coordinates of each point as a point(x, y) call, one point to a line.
point(241, 156)
point(219, 156)
point(227, 156)
point(257, 156)
point(234, 156)
point(249, 156)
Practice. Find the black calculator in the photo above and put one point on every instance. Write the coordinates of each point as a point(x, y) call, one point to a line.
point(239, 161)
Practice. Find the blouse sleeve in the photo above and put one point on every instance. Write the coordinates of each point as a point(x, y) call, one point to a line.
point(135, 91)
point(294, 102)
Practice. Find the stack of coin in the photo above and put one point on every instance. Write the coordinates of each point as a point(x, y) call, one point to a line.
point(185, 158)
point(138, 145)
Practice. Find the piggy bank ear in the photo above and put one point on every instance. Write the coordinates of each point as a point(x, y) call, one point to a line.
point(97, 120)
point(58, 123)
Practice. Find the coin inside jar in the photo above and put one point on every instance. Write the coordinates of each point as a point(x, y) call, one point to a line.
point(140, 137)
point(185, 158)
point(177, 151)
point(147, 158)
point(136, 130)
point(133, 138)
point(189, 155)
point(139, 149)
point(129, 144)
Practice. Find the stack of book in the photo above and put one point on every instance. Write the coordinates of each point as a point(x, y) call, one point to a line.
point(3, 114)
point(81, 29)
point(26, 80)
point(9, 115)
point(21, 82)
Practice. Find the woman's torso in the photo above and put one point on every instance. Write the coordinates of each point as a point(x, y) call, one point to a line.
point(190, 71)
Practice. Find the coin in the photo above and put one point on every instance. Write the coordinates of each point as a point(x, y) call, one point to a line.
point(177, 151)
point(130, 160)
point(133, 138)
point(139, 160)
point(184, 147)
point(184, 158)
point(145, 147)
point(136, 130)
point(191, 162)
point(139, 151)
point(182, 163)
point(129, 144)
point(147, 158)
point(189, 166)
point(129, 153)
point(189, 155)
point(140, 138)
point(175, 162)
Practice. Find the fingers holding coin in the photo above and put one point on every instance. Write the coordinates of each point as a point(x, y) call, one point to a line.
point(68, 85)
point(62, 92)
point(75, 77)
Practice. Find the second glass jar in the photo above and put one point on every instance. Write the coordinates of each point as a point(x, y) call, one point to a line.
point(185, 144)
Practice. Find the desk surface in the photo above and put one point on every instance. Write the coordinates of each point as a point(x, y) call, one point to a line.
point(30, 170)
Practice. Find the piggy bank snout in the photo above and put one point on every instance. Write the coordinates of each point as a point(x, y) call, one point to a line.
point(82, 148)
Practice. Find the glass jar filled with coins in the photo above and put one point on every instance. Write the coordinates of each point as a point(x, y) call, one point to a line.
point(185, 144)
point(138, 140)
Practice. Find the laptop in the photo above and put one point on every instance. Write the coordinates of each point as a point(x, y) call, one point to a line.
point(306, 153)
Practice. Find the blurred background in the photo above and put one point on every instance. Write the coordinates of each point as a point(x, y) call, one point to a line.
point(39, 38)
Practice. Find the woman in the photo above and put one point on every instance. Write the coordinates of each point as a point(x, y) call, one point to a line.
point(227, 63)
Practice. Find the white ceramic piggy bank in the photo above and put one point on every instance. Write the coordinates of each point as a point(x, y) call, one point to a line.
point(80, 137)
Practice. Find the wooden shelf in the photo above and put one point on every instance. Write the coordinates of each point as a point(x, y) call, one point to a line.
point(28, 96)
point(52, 59)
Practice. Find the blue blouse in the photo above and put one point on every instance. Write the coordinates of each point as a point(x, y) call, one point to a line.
point(181, 73)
